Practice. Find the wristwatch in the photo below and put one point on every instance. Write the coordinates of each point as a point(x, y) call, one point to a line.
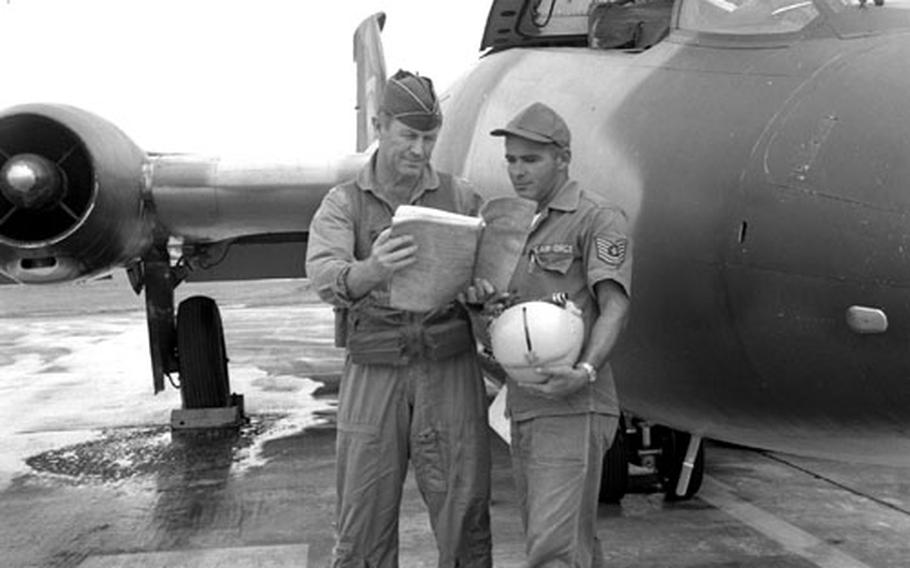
point(589, 369)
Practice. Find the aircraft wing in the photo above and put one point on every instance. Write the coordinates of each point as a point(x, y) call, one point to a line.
point(78, 198)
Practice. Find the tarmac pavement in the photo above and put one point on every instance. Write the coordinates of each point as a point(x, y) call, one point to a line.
point(91, 475)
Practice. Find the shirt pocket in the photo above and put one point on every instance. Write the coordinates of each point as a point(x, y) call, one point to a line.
point(554, 261)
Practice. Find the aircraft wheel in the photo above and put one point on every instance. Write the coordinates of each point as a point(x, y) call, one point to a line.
point(614, 478)
point(673, 445)
point(201, 354)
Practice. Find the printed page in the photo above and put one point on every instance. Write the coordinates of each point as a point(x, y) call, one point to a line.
point(446, 248)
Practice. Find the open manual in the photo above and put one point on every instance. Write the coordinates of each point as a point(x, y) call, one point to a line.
point(453, 250)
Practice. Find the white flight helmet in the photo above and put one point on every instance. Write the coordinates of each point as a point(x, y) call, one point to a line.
point(534, 335)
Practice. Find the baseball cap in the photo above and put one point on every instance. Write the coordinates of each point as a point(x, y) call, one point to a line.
point(538, 123)
point(411, 99)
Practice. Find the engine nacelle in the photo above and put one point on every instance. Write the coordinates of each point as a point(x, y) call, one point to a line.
point(71, 195)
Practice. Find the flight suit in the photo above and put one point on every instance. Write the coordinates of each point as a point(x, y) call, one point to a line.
point(411, 388)
point(558, 444)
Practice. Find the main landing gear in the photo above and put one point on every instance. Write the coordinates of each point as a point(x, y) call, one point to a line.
point(190, 344)
point(201, 355)
point(674, 459)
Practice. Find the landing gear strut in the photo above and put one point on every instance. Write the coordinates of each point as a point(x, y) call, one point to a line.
point(675, 459)
point(680, 464)
point(614, 479)
point(190, 344)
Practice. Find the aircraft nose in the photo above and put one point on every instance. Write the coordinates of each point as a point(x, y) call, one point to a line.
point(30, 181)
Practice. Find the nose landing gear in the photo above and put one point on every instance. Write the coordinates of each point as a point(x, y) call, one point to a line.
point(670, 459)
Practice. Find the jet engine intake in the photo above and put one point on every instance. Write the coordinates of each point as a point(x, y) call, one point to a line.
point(71, 195)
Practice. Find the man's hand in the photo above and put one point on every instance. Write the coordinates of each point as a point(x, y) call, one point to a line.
point(483, 297)
point(390, 254)
point(561, 381)
point(478, 293)
point(387, 255)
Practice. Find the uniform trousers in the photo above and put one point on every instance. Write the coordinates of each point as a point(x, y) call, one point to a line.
point(557, 463)
point(435, 414)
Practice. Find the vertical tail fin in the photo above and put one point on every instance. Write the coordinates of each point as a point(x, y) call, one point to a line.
point(371, 76)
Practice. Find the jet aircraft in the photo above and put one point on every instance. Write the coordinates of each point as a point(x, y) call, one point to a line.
point(759, 146)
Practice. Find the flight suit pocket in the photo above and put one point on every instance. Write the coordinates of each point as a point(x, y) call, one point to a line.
point(428, 461)
point(374, 347)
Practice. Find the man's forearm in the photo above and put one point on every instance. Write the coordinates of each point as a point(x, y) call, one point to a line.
point(362, 277)
point(614, 309)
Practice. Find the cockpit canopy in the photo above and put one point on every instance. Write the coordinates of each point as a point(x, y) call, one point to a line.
point(638, 24)
point(746, 16)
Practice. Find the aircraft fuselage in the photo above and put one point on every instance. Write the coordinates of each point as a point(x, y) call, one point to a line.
point(769, 189)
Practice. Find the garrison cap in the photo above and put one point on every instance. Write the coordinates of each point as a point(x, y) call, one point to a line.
point(411, 99)
point(538, 123)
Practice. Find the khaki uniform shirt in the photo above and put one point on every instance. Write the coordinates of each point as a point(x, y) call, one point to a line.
point(577, 241)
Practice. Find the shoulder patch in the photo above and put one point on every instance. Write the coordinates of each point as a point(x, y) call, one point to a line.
point(611, 251)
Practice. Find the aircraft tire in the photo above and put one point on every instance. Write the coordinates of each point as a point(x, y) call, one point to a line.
point(201, 354)
point(614, 478)
point(673, 444)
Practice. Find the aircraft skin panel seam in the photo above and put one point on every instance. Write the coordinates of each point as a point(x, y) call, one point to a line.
point(745, 354)
point(661, 65)
point(715, 72)
point(839, 279)
point(772, 270)
point(783, 188)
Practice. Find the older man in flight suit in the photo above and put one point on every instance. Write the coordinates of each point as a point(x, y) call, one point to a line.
point(412, 385)
point(579, 247)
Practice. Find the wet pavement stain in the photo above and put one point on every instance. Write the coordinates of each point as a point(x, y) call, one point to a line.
point(124, 453)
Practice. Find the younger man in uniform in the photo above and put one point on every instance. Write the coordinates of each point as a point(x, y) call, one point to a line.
point(561, 428)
